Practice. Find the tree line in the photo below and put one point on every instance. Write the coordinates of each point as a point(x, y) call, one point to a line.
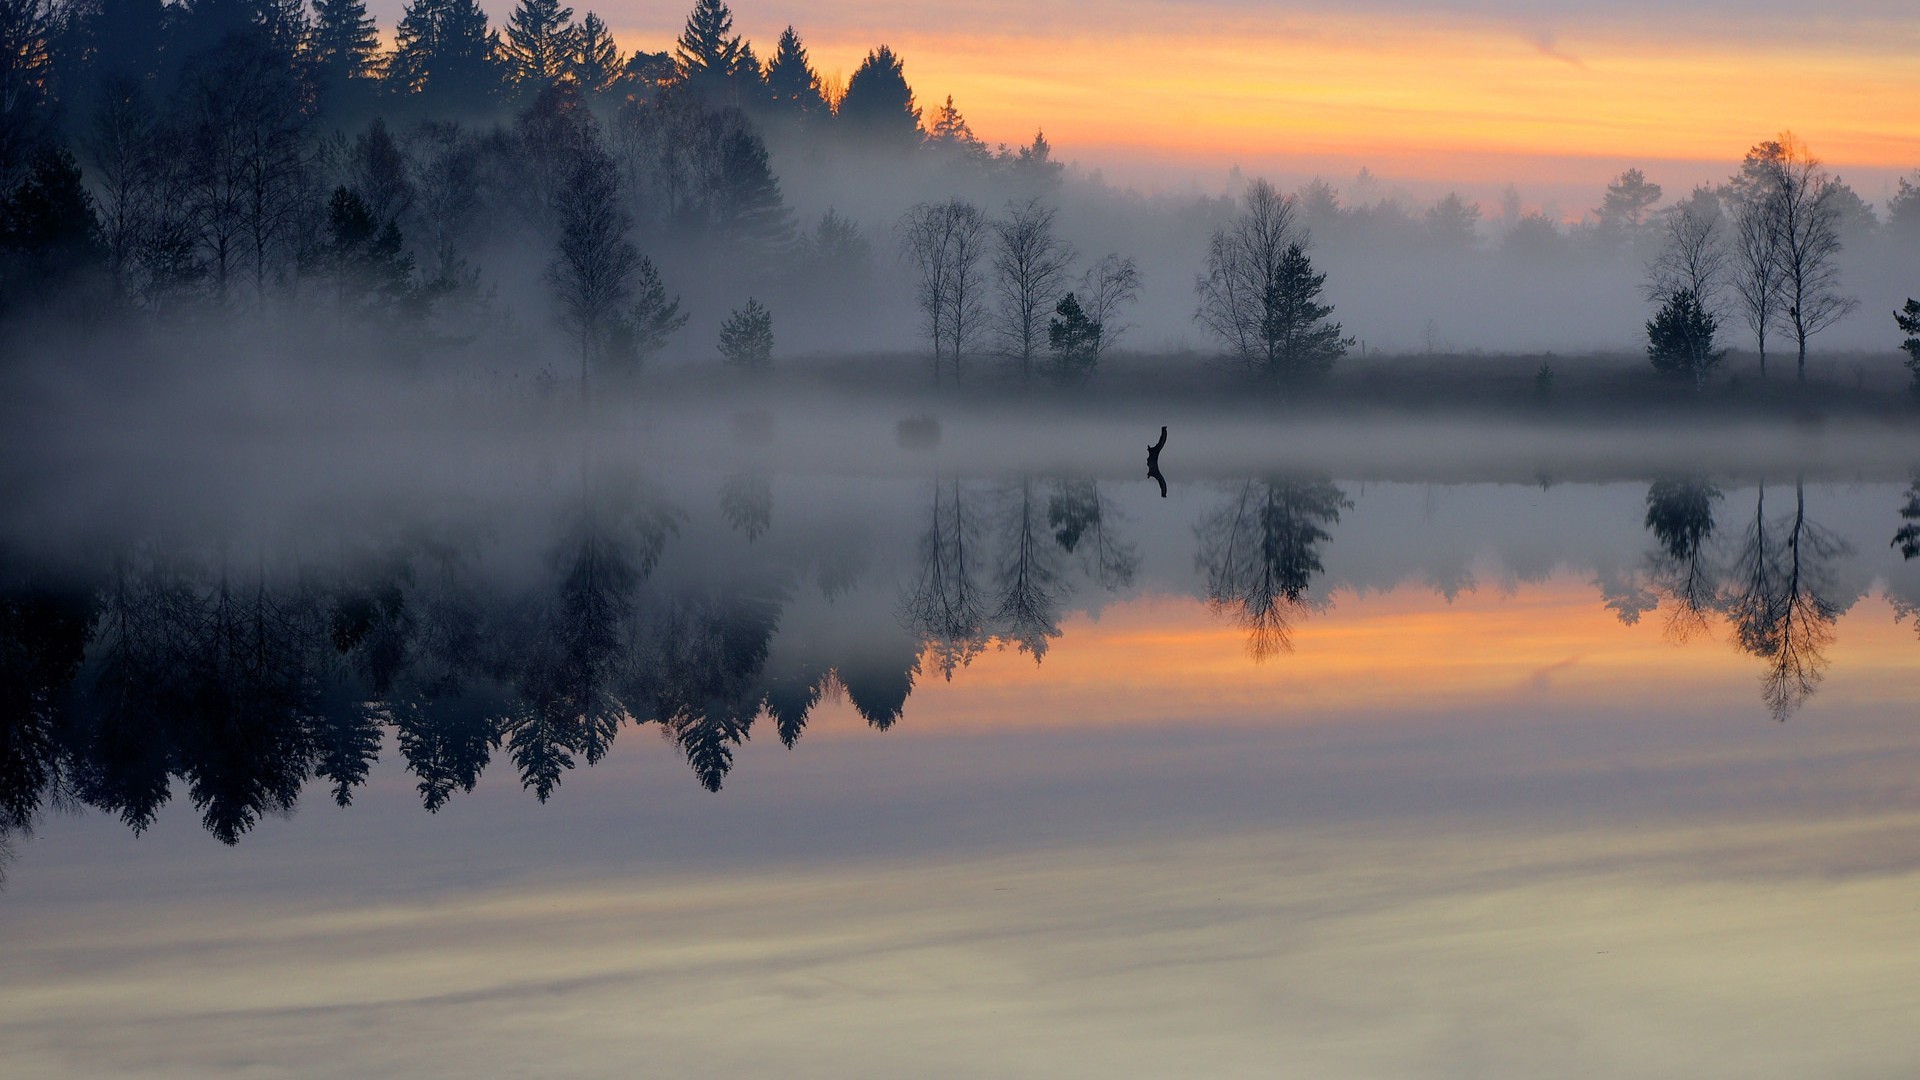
point(166, 155)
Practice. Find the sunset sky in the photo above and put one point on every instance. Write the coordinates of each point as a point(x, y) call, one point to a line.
point(1470, 92)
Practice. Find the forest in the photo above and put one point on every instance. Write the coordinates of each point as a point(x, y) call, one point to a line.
point(256, 178)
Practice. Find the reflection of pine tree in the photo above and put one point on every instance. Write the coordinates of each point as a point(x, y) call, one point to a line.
point(43, 638)
point(707, 653)
point(1082, 522)
point(1261, 550)
point(1680, 516)
point(1908, 538)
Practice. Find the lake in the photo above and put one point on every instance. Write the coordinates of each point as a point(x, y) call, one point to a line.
point(750, 744)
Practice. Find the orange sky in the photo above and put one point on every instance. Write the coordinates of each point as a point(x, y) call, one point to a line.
point(1468, 96)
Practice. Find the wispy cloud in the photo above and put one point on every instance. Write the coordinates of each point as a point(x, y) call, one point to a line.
point(1548, 45)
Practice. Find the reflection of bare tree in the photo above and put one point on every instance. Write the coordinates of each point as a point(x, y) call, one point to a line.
point(1780, 601)
point(1261, 550)
point(1028, 575)
point(1680, 516)
point(945, 607)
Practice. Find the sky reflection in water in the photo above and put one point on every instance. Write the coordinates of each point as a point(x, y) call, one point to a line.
point(1282, 773)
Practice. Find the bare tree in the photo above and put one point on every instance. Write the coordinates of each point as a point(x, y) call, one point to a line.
point(1756, 269)
point(1806, 233)
point(1106, 287)
point(1692, 255)
point(246, 142)
point(944, 243)
point(1030, 271)
point(1243, 260)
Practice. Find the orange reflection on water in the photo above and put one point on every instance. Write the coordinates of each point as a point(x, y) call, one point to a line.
point(1160, 659)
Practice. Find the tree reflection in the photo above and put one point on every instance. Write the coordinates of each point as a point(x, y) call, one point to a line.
point(1029, 576)
point(1908, 538)
point(1780, 601)
point(945, 607)
point(1261, 550)
point(1680, 516)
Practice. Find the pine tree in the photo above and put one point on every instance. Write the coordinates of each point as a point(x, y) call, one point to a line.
point(643, 331)
point(595, 63)
point(1909, 322)
point(879, 104)
point(746, 338)
point(950, 132)
point(540, 44)
point(366, 258)
point(1073, 338)
point(1298, 342)
point(792, 83)
point(1680, 338)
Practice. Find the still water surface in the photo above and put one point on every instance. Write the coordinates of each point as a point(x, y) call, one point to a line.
point(752, 769)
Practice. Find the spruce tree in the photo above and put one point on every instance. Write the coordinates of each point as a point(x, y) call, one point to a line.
point(879, 104)
point(595, 63)
point(445, 52)
point(345, 42)
point(708, 53)
point(792, 83)
point(539, 46)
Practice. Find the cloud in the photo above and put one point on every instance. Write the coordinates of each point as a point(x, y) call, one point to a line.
point(1547, 45)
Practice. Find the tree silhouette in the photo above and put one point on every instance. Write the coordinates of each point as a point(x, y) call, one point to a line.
point(344, 51)
point(1073, 339)
point(1030, 265)
point(1298, 342)
point(944, 243)
point(792, 84)
point(594, 263)
point(1908, 319)
point(541, 45)
point(878, 107)
point(1680, 339)
point(445, 56)
point(595, 60)
point(746, 338)
point(1908, 538)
